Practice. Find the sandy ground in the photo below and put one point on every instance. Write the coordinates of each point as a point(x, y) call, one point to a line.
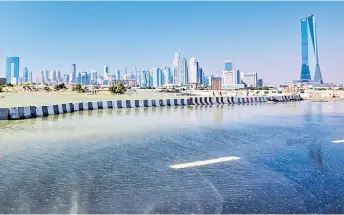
point(43, 98)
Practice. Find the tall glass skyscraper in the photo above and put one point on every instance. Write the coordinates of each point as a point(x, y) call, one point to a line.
point(25, 75)
point(12, 68)
point(309, 47)
point(74, 74)
point(183, 71)
point(175, 68)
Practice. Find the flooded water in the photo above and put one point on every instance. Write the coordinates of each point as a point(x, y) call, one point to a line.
point(119, 161)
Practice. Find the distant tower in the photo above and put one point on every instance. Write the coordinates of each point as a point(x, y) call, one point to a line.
point(193, 71)
point(175, 68)
point(118, 75)
point(12, 68)
point(73, 77)
point(106, 72)
point(25, 74)
point(309, 50)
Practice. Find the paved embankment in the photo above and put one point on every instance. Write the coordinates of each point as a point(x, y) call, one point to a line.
point(15, 113)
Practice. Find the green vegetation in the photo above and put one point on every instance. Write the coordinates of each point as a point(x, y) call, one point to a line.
point(47, 89)
point(1, 89)
point(27, 87)
point(78, 88)
point(58, 87)
point(258, 88)
point(117, 89)
point(8, 85)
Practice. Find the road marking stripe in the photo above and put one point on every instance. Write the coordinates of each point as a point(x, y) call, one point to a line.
point(202, 163)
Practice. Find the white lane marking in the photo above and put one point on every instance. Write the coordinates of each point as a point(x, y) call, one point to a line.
point(202, 163)
point(338, 141)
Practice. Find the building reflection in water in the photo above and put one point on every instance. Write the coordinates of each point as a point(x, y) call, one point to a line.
point(314, 116)
point(218, 114)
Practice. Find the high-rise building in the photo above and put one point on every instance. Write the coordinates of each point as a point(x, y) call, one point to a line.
point(42, 78)
point(228, 64)
point(166, 76)
point(145, 78)
point(200, 76)
point(125, 70)
point(118, 75)
point(229, 79)
point(175, 68)
point(58, 76)
point(183, 72)
point(238, 76)
point(73, 76)
point(30, 78)
point(47, 76)
point(78, 78)
point(208, 80)
point(65, 78)
point(106, 72)
point(249, 79)
point(156, 77)
point(135, 74)
point(12, 69)
point(260, 83)
point(94, 77)
point(193, 71)
point(25, 75)
point(84, 78)
point(309, 50)
point(53, 76)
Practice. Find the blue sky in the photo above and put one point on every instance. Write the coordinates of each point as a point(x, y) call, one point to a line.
point(261, 37)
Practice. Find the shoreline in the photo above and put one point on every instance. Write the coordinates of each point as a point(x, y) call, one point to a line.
point(27, 112)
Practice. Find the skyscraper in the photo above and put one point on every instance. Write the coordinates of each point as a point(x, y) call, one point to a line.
point(156, 74)
point(309, 50)
point(166, 76)
point(53, 76)
point(145, 78)
point(183, 72)
point(42, 79)
point(118, 75)
point(73, 76)
point(47, 76)
point(193, 71)
point(175, 68)
point(12, 69)
point(78, 78)
point(30, 78)
point(200, 76)
point(106, 72)
point(260, 83)
point(25, 75)
point(59, 76)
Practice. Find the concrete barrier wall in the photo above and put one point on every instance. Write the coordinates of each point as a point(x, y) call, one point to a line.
point(285, 98)
point(41, 111)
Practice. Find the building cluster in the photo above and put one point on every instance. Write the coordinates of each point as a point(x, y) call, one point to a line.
point(234, 79)
point(183, 72)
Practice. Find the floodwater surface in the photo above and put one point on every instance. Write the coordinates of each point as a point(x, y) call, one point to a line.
point(255, 158)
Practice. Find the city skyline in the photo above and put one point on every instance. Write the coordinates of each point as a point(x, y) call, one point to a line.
point(264, 45)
